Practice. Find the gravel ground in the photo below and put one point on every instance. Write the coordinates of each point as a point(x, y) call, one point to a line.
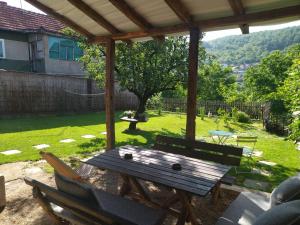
point(22, 208)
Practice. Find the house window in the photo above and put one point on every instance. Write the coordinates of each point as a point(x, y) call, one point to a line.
point(64, 49)
point(2, 49)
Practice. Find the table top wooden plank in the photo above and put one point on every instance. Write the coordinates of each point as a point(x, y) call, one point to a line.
point(149, 177)
point(172, 175)
point(163, 165)
point(198, 177)
point(160, 154)
point(166, 159)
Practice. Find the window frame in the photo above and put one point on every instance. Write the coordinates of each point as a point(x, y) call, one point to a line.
point(3, 48)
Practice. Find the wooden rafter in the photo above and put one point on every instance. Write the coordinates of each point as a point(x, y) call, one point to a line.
point(94, 15)
point(238, 9)
point(60, 17)
point(133, 15)
point(180, 10)
point(209, 23)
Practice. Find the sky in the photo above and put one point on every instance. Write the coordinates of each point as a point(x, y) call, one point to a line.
point(208, 35)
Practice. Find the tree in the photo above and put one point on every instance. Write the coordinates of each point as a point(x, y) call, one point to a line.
point(213, 79)
point(148, 68)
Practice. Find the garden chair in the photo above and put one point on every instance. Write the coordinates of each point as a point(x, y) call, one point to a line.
point(77, 203)
point(247, 150)
point(82, 173)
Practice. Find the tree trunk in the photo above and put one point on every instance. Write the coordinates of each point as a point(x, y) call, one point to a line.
point(140, 110)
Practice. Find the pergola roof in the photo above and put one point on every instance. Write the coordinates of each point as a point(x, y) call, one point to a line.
point(135, 19)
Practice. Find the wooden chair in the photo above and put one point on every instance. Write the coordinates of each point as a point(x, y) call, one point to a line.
point(82, 173)
point(247, 151)
point(224, 154)
point(64, 208)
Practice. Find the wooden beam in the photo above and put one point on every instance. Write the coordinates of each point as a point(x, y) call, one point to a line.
point(238, 9)
point(133, 15)
point(180, 10)
point(94, 15)
point(210, 23)
point(60, 17)
point(192, 84)
point(109, 94)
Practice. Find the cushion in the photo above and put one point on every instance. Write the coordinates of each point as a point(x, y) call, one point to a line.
point(284, 214)
point(78, 190)
point(288, 190)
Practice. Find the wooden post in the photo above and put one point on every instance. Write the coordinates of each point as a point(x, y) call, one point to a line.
point(109, 94)
point(2, 193)
point(192, 84)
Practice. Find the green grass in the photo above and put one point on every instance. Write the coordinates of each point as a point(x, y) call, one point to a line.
point(24, 133)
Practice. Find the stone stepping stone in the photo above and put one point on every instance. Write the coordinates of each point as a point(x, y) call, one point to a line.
point(33, 170)
point(10, 152)
point(256, 184)
point(257, 153)
point(88, 136)
point(41, 146)
point(69, 140)
point(104, 133)
point(261, 172)
point(267, 163)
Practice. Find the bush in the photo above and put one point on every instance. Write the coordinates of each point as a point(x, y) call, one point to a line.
point(295, 129)
point(242, 117)
point(202, 112)
point(128, 114)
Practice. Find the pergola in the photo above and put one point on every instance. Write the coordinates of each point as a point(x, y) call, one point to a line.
point(108, 21)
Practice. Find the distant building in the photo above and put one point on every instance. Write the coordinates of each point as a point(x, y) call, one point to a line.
point(32, 42)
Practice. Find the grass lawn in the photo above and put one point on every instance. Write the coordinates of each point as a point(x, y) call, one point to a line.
point(23, 133)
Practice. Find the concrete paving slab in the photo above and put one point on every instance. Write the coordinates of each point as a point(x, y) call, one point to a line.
point(261, 172)
point(267, 163)
point(104, 133)
point(41, 146)
point(33, 170)
point(256, 184)
point(257, 153)
point(10, 152)
point(88, 136)
point(69, 140)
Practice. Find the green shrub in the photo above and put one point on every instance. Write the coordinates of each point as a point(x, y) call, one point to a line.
point(234, 113)
point(202, 112)
point(242, 117)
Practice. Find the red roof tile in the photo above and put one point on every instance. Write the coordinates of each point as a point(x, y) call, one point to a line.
point(12, 18)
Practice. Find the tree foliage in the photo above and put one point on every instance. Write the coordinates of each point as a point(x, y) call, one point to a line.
point(253, 47)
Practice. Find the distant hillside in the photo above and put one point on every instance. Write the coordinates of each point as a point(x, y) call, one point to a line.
point(251, 48)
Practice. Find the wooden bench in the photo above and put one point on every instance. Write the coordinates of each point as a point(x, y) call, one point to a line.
point(224, 154)
point(111, 209)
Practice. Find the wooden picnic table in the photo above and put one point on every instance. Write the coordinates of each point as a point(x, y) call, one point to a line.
point(196, 177)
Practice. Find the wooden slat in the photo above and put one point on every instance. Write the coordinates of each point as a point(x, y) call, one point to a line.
point(147, 177)
point(180, 10)
point(192, 84)
point(181, 143)
point(94, 15)
point(227, 160)
point(62, 18)
point(209, 23)
point(110, 94)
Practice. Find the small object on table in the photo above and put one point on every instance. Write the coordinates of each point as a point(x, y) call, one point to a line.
point(128, 156)
point(176, 166)
point(221, 135)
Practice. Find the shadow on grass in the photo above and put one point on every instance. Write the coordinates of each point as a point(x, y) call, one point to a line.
point(93, 145)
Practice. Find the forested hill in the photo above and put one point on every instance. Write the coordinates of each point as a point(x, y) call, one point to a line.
point(251, 48)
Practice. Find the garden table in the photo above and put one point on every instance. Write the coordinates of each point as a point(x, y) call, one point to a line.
point(196, 177)
point(221, 135)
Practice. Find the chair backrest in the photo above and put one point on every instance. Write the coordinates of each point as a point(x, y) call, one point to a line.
point(246, 139)
point(61, 167)
point(68, 202)
point(224, 154)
